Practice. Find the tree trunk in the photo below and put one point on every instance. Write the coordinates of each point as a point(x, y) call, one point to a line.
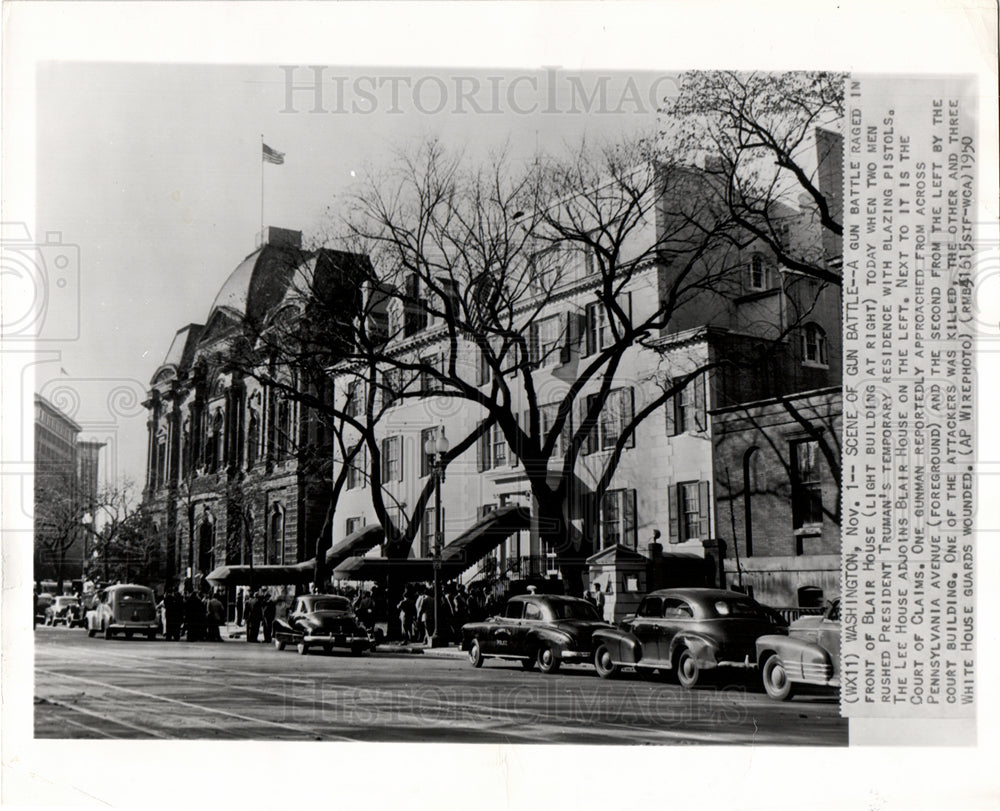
point(558, 535)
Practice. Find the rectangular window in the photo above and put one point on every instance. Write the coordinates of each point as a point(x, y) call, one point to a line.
point(686, 410)
point(353, 405)
point(392, 459)
point(357, 469)
point(483, 370)
point(550, 341)
point(807, 492)
point(615, 417)
point(599, 333)
point(354, 524)
point(547, 415)
point(690, 511)
point(618, 525)
point(757, 272)
point(426, 459)
point(391, 387)
point(427, 533)
point(499, 445)
point(429, 381)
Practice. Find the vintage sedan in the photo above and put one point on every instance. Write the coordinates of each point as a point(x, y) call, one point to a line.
point(127, 609)
point(686, 632)
point(321, 621)
point(536, 629)
point(65, 610)
point(809, 654)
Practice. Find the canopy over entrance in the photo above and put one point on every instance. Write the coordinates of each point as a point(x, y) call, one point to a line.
point(467, 549)
point(356, 543)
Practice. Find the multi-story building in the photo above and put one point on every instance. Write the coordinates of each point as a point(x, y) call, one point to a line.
point(66, 484)
point(238, 470)
point(758, 330)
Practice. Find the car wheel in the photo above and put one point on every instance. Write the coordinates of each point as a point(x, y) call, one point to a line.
point(687, 669)
point(302, 648)
point(151, 635)
point(49, 620)
point(279, 644)
point(776, 681)
point(475, 654)
point(528, 664)
point(91, 632)
point(606, 669)
point(358, 650)
point(108, 633)
point(548, 659)
point(128, 634)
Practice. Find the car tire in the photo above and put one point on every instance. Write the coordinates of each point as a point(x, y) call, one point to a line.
point(548, 659)
point(775, 679)
point(302, 648)
point(606, 669)
point(687, 669)
point(358, 650)
point(108, 633)
point(128, 634)
point(151, 635)
point(475, 654)
point(279, 644)
point(91, 632)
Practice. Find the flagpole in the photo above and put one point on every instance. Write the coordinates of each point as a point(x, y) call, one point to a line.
point(261, 158)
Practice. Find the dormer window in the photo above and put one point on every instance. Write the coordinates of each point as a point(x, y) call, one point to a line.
point(813, 346)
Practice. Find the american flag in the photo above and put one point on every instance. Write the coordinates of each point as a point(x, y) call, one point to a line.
point(272, 155)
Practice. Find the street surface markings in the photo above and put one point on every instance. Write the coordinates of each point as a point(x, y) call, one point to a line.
point(145, 731)
point(191, 705)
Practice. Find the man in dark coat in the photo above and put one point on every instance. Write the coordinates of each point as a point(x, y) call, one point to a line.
point(173, 614)
point(216, 616)
point(251, 611)
point(267, 611)
point(194, 617)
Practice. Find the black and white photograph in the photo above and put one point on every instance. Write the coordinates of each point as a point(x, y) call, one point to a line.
point(517, 421)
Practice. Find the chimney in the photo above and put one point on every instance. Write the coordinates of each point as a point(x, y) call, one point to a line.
point(284, 237)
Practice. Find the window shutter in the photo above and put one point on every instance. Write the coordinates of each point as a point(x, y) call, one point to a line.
point(591, 319)
point(700, 415)
point(533, 345)
point(400, 445)
point(670, 408)
point(674, 496)
point(630, 538)
point(703, 510)
point(385, 457)
point(626, 305)
point(483, 452)
point(590, 444)
point(566, 351)
point(628, 412)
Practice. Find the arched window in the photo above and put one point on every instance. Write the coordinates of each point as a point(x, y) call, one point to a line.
point(813, 346)
point(161, 457)
point(253, 438)
point(276, 535)
point(215, 445)
point(206, 544)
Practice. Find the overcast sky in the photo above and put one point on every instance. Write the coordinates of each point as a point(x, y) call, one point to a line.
point(154, 172)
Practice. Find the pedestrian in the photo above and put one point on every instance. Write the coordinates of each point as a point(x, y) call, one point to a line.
point(599, 600)
point(407, 613)
point(252, 612)
point(240, 597)
point(267, 612)
point(172, 615)
point(194, 617)
point(423, 607)
point(216, 617)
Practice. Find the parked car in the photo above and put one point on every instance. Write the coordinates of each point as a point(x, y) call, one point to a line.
point(65, 609)
point(686, 632)
point(537, 629)
point(321, 620)
point(809, 654)
point(128, 609)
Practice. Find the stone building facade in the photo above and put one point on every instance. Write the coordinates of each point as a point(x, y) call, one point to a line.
point(237, 471)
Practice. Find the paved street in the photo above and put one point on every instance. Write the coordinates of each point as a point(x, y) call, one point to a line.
point(93, 688)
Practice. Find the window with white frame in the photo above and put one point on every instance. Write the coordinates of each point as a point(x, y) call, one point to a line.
point(813, 345)
point(354, 524)
point(550, 340)
point(686, 410)
point(599, 333)
point(618, 524)
point(807, 491)
point(499, 447)
point(614, 418)
point(547, 415)
point(427, 459)
point(757, 272)
point(357, 469)
point(392, 459)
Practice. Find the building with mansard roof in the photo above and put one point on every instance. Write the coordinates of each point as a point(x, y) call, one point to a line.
point(237, 472)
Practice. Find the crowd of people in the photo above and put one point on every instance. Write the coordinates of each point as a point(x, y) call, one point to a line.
point(193, 616)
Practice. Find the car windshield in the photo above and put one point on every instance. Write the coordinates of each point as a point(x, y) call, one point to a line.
point(573, 610)
point(741, 608)
point(134, 596)
point(66, 601)
point(331, 604)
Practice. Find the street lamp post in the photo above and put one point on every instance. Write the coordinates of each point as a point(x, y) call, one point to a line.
point(437, 448)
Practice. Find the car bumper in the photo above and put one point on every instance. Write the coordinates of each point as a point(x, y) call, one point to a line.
point(151, 625)
point(575, 656)
point(337, 640)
